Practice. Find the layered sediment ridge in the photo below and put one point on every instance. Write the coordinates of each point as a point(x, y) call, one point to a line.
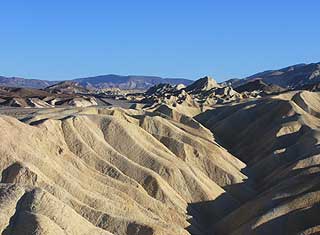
point(110, 171)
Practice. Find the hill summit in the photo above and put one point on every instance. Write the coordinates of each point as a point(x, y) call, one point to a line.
point(203, 84)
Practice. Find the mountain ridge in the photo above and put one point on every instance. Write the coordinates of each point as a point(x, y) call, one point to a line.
point(293, 76)
point(290, 77)
point(101, 81)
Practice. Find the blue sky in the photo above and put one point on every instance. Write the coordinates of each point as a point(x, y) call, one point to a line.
point(225, 39)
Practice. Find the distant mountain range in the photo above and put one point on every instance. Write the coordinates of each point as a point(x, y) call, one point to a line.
point(103, 81)
point(23, 82)
point(294, 76)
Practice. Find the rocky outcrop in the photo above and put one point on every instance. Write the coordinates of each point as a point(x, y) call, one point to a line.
point(259, 87)
point(34, 98)
point(66, 87)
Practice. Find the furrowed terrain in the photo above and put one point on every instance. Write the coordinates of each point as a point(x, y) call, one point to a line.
point(90, 170)
point(205, 159)
point(278, 138)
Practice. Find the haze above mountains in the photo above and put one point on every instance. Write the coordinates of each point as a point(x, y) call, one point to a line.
point(289, 77)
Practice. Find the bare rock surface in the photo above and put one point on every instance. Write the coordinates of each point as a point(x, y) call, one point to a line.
point(278, 138)
point(248, 166)
point(111, 171)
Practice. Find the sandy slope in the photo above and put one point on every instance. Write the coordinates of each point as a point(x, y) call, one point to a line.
point(278, 138)
point(142, 172)
point(102, 171)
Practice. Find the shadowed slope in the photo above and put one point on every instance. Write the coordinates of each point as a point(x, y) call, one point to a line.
point(279, 139)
